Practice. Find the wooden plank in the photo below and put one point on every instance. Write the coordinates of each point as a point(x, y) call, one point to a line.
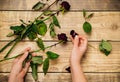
point(105, 24)
point(75, 4)
point(66, 77)
point(93, 61)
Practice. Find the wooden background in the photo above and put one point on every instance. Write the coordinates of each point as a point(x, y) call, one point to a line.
point(106, 25)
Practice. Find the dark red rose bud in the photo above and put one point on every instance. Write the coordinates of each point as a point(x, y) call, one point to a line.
point(73, 33)
point(68, 69)
point(62, 37)
point(65, 5)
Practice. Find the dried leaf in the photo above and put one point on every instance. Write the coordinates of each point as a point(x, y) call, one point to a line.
point(47, 12)
point(90, 16)
point(84, 13)
point(10, 34)
point(38, 5)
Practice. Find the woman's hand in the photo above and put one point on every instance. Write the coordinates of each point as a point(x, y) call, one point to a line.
point(18, 72)
point(79, 48)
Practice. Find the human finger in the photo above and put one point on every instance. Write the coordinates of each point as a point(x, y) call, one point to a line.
point(76, 41)
point(22, 58)
point(72, 39)
point(24, 70)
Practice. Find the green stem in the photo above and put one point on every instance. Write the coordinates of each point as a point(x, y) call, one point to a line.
point(51, 5)
point(23, 22)
point(47, 47)
point(31, 51)
point(10, 49)
point(7, 45)
point(10, 58)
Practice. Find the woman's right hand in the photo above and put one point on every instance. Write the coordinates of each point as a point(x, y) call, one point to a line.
point(79, 48)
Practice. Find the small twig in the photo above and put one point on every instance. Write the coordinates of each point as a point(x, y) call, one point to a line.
point(92, 46)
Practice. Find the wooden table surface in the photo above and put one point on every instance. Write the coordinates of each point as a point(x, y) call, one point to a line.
point(106, 25)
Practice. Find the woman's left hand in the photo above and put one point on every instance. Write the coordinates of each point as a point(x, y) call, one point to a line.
point(18, 72)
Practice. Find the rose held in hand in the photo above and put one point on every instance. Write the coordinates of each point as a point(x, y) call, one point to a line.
point(73, 33)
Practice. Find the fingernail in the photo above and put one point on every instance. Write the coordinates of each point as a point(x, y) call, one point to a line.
point(76, 36)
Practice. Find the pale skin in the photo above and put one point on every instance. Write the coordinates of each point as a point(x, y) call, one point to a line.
point(18, 73)
point(79, 48)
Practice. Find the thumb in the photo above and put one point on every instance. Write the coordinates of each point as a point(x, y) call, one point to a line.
point(76, 41)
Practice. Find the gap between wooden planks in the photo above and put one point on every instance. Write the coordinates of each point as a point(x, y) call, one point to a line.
point(93, 61)
point(75, 4)
point(66, 77)
point(105, 24)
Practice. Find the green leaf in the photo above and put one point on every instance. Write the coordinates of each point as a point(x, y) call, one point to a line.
point(55, 21)
point(84, 13)
point(90, 16)
point(105, 47)
point(37, 59)
point(45, 65)
point(42, 28)
point(27, 59)
point(52, 31)
point(51, 26)
point(34, 68)
point(52, 55)
point(26, 31)
point(32, 35)
point(34, 28)
point(16, 28)
point(38, 5)
point(87, 27)
point(47, 12)
point(52, 34)
point(10, 34)
point(40, 44)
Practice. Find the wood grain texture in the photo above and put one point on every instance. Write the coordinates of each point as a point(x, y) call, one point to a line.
point(75, 4)
point(105, 24)
point(93, 61)
point(66, 77)
point(96, 66)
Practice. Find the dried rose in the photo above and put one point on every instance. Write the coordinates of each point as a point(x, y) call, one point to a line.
point(73, 33)
point(62, 37)
point(65, 6)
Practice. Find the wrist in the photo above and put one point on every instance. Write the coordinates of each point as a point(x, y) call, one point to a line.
point(75, 63)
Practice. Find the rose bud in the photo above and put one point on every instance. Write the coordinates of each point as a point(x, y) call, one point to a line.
point(68, 69)
point(65, 6)
point(73, 33)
